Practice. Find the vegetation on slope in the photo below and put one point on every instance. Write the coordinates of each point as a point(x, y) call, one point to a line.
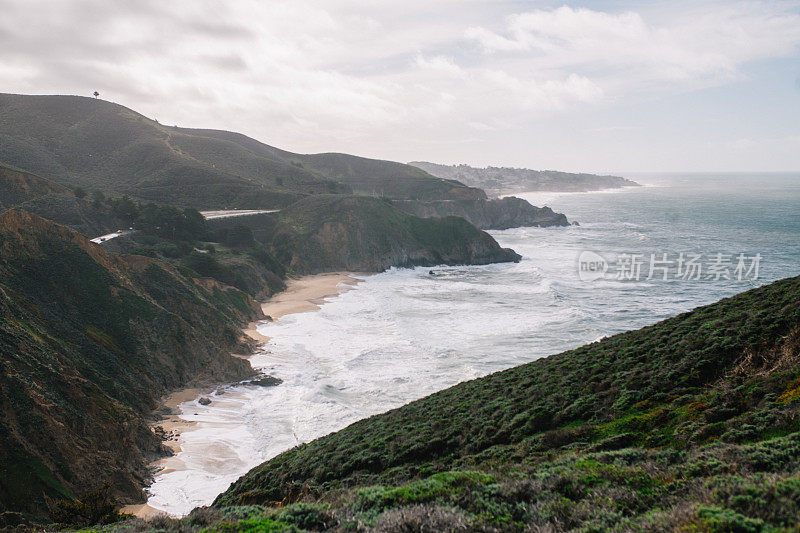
point(496, 213)
point(89, 341)
point(372, 177)
point(47, 199)
point(17, 187)
point(358, 233)
point(99, 145)
point(692, 423)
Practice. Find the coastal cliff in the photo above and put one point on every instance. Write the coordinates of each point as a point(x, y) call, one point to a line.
point(363, 234)
point(495, 213)
point(89, 342)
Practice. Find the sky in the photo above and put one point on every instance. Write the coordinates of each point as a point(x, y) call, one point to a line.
point(595, 86)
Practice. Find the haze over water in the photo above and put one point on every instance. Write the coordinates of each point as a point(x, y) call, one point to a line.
point(403, 334)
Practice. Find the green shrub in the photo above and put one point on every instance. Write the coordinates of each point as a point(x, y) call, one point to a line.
point(728, 521)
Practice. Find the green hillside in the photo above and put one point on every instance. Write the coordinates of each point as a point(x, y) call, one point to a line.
point(89, 342)
point(17, 187)
point(690, 424)
point(100, 145)
point(363, 234)
point(388, 179)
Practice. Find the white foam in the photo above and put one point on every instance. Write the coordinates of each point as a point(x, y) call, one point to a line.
point(404, 334)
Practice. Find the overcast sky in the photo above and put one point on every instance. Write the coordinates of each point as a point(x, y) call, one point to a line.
point(592, 86)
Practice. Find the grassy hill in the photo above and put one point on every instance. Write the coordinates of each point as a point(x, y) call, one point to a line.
point(89, 341)
point(26, 191)
point(101, 145)
point(690, 424)
point(387, 179)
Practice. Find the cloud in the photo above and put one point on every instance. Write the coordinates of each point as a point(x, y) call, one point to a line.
point(624, 51)
point(381, 78)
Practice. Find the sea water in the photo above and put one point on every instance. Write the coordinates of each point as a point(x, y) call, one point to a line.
point(407, 333)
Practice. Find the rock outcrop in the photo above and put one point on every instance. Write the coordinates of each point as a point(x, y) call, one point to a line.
point(357, 233)
point(496, 213)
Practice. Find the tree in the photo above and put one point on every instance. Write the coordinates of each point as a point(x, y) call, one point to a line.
point(125, 209)
point(239, 236)
point(98, 198)
point(96, 94)
point(80, 193)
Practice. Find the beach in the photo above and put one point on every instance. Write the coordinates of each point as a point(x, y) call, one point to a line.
point(301, 295)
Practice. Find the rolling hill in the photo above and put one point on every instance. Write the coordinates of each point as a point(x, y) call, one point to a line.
point(99, 145)
point(95, 144)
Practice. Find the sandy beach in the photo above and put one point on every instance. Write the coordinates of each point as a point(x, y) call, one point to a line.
point(301, 295)
point(308, 293)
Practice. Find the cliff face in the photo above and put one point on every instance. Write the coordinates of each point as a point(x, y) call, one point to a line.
point(89, 341)
point(325, 233)
point(496, 213)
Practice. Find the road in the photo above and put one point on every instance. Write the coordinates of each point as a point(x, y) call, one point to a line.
point(210, 215)
point(104, 238)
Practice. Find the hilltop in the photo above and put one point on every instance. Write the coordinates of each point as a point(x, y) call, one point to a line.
point(99, 145)
point(691, 423)
point(89, 342)
point(498, 181)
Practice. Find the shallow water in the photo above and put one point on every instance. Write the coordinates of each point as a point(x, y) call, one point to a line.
point(403, 334)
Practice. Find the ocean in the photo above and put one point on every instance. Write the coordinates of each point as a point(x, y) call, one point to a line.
point(639, 255)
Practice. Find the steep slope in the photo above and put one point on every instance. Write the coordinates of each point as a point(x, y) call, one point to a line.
point(358, 233)
point(498, 181)
point(17, 187)
point(691, 423)
point(89, 341)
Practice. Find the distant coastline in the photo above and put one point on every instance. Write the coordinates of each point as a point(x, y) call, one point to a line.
point(507, 181)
